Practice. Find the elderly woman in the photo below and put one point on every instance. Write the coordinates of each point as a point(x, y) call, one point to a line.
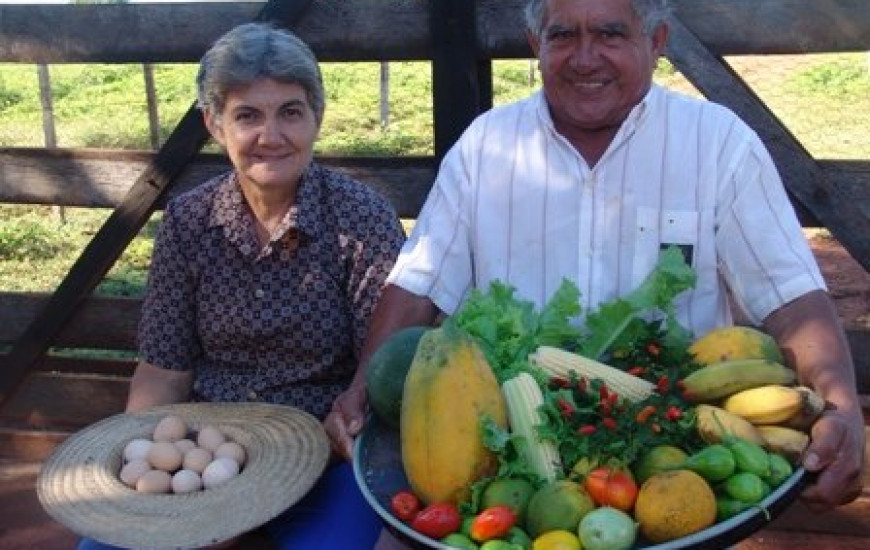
point(263, 279)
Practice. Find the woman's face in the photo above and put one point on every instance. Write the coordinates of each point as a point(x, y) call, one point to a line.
point(268, 129)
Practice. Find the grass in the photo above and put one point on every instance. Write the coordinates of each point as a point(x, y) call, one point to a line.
point(823, 99)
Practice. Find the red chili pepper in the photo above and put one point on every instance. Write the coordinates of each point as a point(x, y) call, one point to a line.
point(602, 392)
point(663, 385)
point(653, 349)
point(560, 382)
point(566, 409)
point(637, 371)
point(644, 414)
point(587, 429)
point(405, 505)
point(608, 423)
point(612, 398)
point(605, 408)
point(581, 385)
point(674, 413)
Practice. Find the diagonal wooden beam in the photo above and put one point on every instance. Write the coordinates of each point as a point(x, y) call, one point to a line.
point(120, 228)
point(848, 219)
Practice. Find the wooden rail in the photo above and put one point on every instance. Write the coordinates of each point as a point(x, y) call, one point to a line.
point(374, 30)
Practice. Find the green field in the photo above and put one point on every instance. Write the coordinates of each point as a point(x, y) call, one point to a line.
point(823, 99)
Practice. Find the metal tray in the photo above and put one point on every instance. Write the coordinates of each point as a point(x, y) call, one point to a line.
point(378, 470)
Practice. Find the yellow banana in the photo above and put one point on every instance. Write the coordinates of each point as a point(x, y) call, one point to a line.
point(769, 404)
point(714, 424)
point(715, 381)
point(788, 442)
point(812, 407)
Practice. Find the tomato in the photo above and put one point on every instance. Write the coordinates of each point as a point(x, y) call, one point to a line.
point(405, 505)
point(611, 487)
point(493, 523)
point(437, 520)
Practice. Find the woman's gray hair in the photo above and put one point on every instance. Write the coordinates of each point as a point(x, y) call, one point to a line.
point(257, 50)
point(651, 12)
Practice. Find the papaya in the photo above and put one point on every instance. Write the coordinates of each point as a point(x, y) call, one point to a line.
point(387, 368)
point(734, 343)
point(450, 387)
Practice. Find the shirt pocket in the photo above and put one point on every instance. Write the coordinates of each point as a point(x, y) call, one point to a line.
point(658, 229)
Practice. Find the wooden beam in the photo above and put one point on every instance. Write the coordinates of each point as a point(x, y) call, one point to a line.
point(846, 218)
point(121, 227)
point(374, 30)
point(101, 178)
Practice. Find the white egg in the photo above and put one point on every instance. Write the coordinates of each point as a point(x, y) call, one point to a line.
point(210, 438)
point(164, 455)
point(185, 445)
point(197, 459)
point(186, 481)
point(170, 428)
point(133, 470)
point(154, 482)
point(219, 471)
point(137, 449)
point(231, 449)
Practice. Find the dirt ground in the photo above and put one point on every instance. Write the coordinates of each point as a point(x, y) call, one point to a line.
point(848, 282)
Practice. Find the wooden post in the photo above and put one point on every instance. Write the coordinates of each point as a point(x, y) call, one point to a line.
point(151, 100)
point(48, 130)
point(461, 84)
point(385, 95)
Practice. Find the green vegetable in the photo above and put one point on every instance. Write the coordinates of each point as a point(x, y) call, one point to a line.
point(670, 277)
point(713, 463)
point(458, 540)
point(780, 470)
point(519, 538)
point(746, 487)
point(749, 457)
point(509, 329)
point(727, 507)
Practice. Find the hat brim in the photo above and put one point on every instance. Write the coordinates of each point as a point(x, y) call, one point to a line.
point(287, 451)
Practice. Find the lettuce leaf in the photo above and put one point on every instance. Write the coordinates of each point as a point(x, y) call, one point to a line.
point(671, 276)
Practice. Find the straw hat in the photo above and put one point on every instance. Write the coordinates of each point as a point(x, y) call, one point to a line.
point(287, 450)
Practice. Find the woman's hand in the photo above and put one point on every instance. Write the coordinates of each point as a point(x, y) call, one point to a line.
point(346, 420)
point(836, 451)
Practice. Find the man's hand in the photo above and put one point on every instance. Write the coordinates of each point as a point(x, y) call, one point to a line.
point(346, 420)
point(836, 452)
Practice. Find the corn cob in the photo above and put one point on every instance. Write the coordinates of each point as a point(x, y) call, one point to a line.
point(523, 397)
point(560, 363)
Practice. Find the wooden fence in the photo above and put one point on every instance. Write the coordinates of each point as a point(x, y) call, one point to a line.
point(45, 396)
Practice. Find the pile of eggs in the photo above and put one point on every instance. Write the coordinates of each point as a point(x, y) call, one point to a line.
point(176, 460)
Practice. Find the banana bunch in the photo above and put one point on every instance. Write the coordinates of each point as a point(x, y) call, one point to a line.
point(756, 398)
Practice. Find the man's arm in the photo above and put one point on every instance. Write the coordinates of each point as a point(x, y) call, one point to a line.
point(153, 386)
point(809, 332)
point(396, 309)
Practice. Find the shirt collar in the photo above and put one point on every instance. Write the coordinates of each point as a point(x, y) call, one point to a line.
point(635, 117)
point(230, 212)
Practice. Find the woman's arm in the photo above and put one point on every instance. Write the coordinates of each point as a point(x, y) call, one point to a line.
point(809, 332)
point(153, 386)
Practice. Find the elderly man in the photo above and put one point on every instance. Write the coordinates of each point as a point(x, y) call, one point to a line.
point(590, 177)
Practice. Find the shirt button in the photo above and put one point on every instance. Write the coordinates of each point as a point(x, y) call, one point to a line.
point(259, 293)
point(252, 395)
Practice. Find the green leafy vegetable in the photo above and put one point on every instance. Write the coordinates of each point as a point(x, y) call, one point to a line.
point(670, 277)
point(508, 329)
